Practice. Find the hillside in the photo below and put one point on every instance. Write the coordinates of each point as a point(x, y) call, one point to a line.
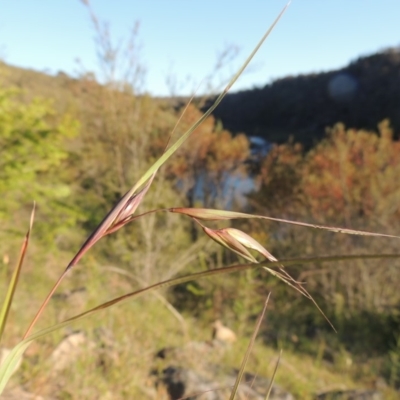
point(359, 95)
point(78, 156)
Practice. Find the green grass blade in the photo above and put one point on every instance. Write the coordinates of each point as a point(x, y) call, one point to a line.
point(219, 271)
point(248, 351)
point(15, 277)
point(154, 168)
point(7, 368)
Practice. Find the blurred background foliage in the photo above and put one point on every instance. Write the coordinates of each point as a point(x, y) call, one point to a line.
point(75, 146)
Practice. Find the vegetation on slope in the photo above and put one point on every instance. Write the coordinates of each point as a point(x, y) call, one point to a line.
point(79, 154)
point(358, 95)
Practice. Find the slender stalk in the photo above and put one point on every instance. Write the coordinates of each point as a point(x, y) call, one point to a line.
point(249, 348)
point(44, 304)
point(271, 383)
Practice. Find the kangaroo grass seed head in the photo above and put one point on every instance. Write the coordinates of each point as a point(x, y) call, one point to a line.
point(205, 214)
point(238, 241)
point(250, 243)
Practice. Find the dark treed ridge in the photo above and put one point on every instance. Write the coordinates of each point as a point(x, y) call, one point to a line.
point(359, 95)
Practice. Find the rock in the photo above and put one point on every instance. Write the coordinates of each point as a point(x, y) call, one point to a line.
point(223, 333)
point(193, 372)
point(68, 351)
point(181, 382)
point(194, 385)
point(191, 354)
point(260, 384)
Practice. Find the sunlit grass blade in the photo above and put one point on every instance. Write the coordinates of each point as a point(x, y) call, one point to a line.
point(183, 138)
point(178, 121)
point(221, 215)
point(14, 279)
point(271, 383)
point(7, 368)
point(249, 349)
point(17, 352)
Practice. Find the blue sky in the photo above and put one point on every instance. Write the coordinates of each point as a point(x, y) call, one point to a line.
point(182, 38)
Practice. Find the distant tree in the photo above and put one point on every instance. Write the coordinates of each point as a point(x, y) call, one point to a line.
point(279, 180)
point(353, 173)
point(206, 162)
point(34, 154)
point(348, 179)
